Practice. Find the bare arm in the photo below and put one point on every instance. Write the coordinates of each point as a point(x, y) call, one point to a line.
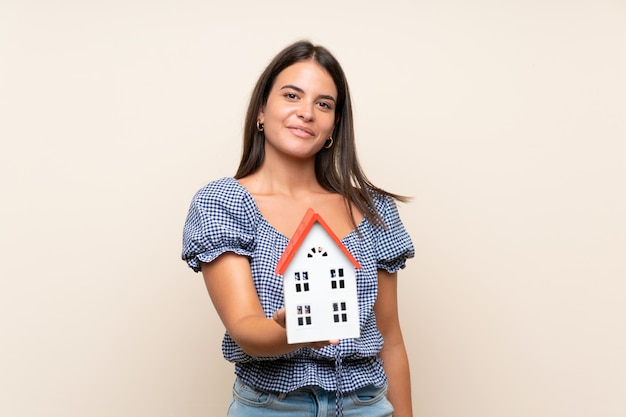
point(393, 353)
point(229, 282)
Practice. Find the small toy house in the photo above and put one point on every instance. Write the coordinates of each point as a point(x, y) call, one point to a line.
point(319, 278)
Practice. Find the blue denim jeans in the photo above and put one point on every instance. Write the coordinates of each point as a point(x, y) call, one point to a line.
point(248, 401)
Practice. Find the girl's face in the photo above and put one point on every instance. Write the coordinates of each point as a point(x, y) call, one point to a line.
point(299, 115)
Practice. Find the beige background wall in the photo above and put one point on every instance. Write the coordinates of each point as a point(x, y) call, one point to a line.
point(504, 119)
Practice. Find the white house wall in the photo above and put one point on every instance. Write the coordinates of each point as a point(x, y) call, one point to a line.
point(312, 312)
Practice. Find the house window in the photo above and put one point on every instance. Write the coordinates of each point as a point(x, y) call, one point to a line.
point(340, 314)
point(304, 315)
point(336, 279)
point(302, 281)
point(319, 250)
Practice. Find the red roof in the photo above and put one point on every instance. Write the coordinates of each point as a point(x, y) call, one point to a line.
point(307, 222)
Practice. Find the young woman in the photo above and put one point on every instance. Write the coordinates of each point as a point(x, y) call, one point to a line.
point(299, 153)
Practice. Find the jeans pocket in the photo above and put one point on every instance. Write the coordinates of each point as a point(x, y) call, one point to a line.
point(251, 396)
point(369, 395)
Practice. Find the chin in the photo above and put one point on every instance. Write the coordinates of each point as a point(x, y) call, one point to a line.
point(300, 152)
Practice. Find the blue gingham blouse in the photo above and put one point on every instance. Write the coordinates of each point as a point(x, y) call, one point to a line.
point(223, 217)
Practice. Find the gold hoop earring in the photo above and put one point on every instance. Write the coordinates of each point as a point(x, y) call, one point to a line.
point(259, 126)
point(328, 144)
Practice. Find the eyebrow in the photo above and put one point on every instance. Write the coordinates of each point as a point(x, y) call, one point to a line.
point(298, 89)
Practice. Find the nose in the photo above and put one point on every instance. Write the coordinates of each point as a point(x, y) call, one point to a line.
point(305, 111)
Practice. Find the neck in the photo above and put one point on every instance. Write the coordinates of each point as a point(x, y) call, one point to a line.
point(285, 176)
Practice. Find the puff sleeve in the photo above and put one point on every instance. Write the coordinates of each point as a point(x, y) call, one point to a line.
point(219, 220)
point(393, 244)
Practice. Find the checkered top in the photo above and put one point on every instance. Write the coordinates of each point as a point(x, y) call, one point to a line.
point(223, 217)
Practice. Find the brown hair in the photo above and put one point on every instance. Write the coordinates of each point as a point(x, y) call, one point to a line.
point(337, 168)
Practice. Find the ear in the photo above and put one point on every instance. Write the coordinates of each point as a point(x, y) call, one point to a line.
point(261, 116)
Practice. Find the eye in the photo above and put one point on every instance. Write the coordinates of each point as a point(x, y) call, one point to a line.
point(325, 105)
point(290, 95)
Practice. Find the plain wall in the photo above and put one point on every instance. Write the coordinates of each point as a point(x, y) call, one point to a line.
point(505, 120)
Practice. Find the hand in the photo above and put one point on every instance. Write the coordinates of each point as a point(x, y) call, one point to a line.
point(279, 317)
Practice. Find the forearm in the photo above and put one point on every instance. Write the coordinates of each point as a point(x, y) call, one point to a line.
point(230, 285)
point(261, 337)
point(393, 353)
point(396, 365)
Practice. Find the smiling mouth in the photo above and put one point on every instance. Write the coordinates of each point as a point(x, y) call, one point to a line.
point(302, 132)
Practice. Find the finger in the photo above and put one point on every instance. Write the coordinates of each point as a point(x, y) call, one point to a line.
point(320, 345)
point(279, 317)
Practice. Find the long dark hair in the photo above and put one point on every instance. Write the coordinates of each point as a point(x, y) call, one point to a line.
point(337, 168)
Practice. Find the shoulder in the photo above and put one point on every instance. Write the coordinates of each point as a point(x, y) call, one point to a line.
point(225, 196)
point(385, 206)
point(222, 217)
point(224, 188)
point(223, 192)
point(392, 241)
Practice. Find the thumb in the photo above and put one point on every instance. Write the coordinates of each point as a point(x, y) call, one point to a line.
point(279, 317)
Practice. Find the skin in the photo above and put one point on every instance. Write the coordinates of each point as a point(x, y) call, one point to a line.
point(298, 119)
